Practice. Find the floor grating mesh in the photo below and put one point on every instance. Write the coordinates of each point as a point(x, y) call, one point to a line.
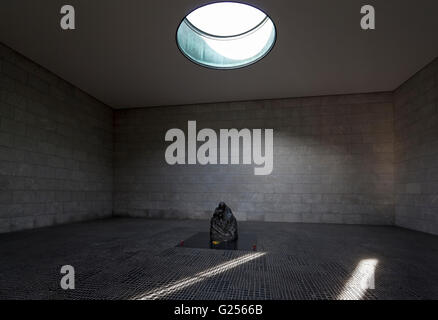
point(289, 263)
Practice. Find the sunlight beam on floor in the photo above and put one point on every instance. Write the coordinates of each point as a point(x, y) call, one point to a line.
point(211, 272)
point(360, 281)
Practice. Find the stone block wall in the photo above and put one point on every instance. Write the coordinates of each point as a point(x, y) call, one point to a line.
point(333, 162)
point(416, 151)
point(56, 146)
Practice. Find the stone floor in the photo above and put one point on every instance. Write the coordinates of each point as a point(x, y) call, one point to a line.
point(137, 259)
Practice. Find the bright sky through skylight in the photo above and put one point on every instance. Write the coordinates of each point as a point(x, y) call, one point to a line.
point(226, 35)
point(226, 18)
point(243, 48)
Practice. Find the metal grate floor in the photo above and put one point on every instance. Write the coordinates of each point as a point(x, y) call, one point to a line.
point(137, 259)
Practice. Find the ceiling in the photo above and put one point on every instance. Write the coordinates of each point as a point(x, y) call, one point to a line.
point(124, 53)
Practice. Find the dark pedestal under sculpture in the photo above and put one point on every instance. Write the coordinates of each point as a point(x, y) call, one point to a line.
point(223, 225)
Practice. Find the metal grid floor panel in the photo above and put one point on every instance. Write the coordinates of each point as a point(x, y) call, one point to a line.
point(137, 259)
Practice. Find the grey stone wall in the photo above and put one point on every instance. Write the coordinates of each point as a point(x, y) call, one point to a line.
point(416, 151)
point(55, 149)
point(337, 159)
point(333, 162)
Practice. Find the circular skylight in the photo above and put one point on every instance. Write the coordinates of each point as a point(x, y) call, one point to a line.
point(226, 35)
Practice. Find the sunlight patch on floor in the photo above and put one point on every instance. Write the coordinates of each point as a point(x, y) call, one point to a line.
point(362, 279)
point(211, 272)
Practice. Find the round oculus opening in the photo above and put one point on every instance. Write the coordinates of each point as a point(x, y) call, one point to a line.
point(226, 35)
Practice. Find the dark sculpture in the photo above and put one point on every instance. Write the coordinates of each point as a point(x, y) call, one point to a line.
point(223, 224)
